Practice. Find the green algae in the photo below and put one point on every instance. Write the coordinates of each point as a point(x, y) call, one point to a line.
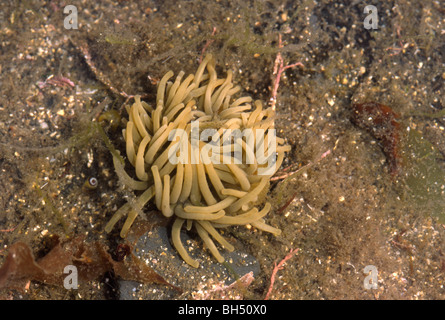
point(425, 176)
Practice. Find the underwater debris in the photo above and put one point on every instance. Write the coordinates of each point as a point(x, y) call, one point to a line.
point(278, 267)
point(219, 291)
point(381, 121)
point(91, 259)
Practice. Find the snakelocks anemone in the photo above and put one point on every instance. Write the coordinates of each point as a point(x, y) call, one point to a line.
point(203, 156)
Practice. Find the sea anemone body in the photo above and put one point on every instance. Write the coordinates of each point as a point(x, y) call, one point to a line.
point(204, 157)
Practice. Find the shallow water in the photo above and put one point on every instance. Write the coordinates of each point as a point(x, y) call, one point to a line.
point(342, 208)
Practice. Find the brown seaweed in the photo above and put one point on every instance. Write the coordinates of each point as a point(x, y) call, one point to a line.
point(91, 259)
point(381, 121)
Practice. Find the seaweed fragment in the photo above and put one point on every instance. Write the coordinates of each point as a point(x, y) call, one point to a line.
point(91, 259)
point(382, 122)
